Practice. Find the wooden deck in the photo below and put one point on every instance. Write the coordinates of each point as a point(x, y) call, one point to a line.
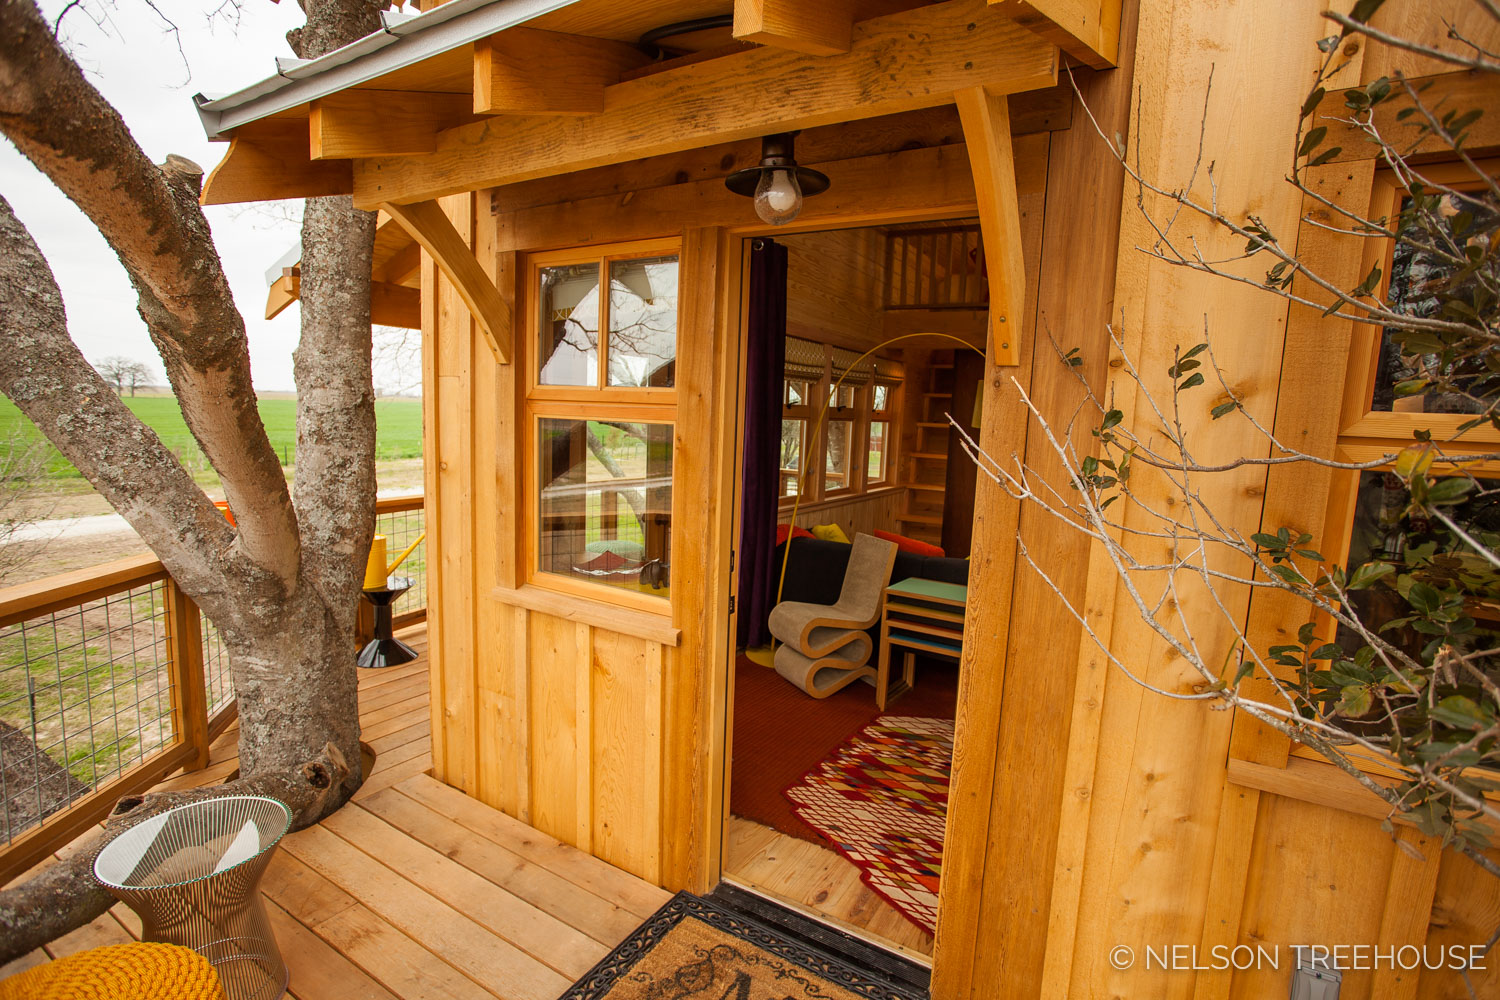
point(414, 890)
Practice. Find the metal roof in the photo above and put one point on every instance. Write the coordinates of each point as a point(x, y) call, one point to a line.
point(404, 39)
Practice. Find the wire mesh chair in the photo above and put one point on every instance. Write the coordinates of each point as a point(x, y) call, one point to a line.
point(193, 875)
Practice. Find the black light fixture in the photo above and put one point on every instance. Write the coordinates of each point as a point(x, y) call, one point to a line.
point(777, 184)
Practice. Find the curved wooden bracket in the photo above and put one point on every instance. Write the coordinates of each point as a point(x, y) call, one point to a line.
point(430, 226)
point(986, 122)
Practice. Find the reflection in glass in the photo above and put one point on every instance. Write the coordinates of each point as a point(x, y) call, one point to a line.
point(643, 322)
point(1425, 551)
point(881, 400)
point(569, 325)
point(877, 450)
point(606, 502)
point(796, 392)
point(836, 470)
point(840, 396)
point(791, 456)
point(1419, 280)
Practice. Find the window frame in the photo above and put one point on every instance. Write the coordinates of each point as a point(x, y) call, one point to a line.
point(814, 454)
point(643, 404)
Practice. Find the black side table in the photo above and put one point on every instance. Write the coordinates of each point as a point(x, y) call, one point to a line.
point(385, 650)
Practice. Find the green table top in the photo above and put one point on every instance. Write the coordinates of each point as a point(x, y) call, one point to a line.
point(916, 586)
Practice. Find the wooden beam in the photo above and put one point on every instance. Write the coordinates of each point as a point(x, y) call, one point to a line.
point(941, 49)
point(355, 123)
point(390, 304)
point(271, 168)
point(1087, 30)
point(986, 120)
point(825, 28)
point(1441, 93)
point(430, 226)
point(966, 324)
point(402, 265)
point(528, 71)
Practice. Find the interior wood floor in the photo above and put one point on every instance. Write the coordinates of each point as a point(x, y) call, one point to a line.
point(415, 890)
point(818, 881)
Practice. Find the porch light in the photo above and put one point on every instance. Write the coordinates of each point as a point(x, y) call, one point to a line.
point(777, 184)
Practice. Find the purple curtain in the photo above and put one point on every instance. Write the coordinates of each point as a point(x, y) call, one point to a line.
point(765, 364)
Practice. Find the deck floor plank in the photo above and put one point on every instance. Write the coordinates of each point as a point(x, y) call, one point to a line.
point(415, 891)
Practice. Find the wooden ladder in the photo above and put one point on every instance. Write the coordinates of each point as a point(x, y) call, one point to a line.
point(927, 463)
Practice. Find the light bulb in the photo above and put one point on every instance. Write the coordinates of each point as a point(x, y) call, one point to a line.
point(778, 197)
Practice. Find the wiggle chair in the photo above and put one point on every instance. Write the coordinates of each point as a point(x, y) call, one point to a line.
point(825, 646)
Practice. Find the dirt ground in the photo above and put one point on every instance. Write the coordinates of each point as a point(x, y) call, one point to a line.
point(89, 533)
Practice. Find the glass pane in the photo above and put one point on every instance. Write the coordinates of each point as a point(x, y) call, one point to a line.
point(1425, 551)
point(1418, 278)
point(642, 346)
point(796, 393)
point(877, 450)
point(840, 396)
point(606, 503)
point(791, 456)
point(882, 397)
point(836, 469)
point(568, 301)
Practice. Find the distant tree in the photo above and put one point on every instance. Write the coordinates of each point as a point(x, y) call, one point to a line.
point(122, 372)
point(23, 471)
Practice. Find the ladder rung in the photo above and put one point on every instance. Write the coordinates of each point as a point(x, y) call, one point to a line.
point(932, 456)
point(930, 424)
point(920, 518)
point(933, 487)
point(945, 395)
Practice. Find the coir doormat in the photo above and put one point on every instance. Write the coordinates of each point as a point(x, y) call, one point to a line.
point(693, 949)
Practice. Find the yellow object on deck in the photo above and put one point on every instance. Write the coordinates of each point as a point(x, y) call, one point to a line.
point(141, 970)
point(375, 572)
point(404, 553)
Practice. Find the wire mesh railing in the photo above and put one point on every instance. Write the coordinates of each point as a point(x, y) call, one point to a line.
point(111, 678)
point(401, 520)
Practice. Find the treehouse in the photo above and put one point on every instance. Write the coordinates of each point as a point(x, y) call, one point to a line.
point(651, 361)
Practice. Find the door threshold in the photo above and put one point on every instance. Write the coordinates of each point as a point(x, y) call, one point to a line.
point(842, 926)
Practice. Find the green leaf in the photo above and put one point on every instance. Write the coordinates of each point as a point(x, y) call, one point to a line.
point(1312, 139)
point(1192, 380)
point(1424, 597)
point(1111, 419)
point(1369, 574)
point(1223, 408)
point(1288, 573)
point(1313, 100)
point(1448, 491)
point(1306, 632)
point(1414, 461)
point(1356, 700)
point(1195, 351)
point(1266, 541)
point(1364, 10)
point(1325, 156)
point(1460, 713)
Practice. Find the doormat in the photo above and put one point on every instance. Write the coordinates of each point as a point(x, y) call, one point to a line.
point(881, 800)
point(694, 949)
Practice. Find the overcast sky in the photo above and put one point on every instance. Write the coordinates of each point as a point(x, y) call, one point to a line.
point(134, 60)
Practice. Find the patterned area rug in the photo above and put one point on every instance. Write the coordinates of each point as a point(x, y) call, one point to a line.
point(881, 800)
point(694, 949)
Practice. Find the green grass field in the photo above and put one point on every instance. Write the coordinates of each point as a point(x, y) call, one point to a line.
point(398, 431)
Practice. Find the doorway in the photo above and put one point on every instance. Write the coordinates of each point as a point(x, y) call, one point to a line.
point(860, 346)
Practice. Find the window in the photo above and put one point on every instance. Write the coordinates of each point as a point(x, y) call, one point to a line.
point(601, 406)
point(852, 451)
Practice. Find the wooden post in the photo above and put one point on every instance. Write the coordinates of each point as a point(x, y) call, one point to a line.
point(189, 692)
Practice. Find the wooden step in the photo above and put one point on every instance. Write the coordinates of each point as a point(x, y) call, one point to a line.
point(944, 395)
point(931, 456)
point(934, 487)
point(931, 424)
point(920, 518)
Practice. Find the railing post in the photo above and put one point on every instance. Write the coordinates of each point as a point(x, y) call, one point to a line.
point(189, 690)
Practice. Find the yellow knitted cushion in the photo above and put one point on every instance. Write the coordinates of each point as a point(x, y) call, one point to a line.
point(141, 970)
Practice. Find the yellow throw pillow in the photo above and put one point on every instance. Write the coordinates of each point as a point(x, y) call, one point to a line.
point(830, 533)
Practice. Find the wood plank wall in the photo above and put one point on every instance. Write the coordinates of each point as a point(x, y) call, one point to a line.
point(854, 514)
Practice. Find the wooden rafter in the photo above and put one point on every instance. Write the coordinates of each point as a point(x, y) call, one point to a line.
point(819, 29)
point(528, 71)
point(356, 123)
point(273, 165)
point(430, 226)
point(390, 305)
point(986, 121)
point(1087, 30)
point(941, 49)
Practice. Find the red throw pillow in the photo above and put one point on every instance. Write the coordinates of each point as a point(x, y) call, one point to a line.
point(912, 545)
point(783, 529)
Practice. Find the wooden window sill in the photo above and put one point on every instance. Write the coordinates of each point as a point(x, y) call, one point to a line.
point(840, 500)
point(599, 614)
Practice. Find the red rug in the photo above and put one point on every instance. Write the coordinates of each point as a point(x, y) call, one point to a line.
point(780, 734)
point(881, 800)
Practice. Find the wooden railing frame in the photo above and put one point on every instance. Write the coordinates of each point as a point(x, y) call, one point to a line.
point(193, 727)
